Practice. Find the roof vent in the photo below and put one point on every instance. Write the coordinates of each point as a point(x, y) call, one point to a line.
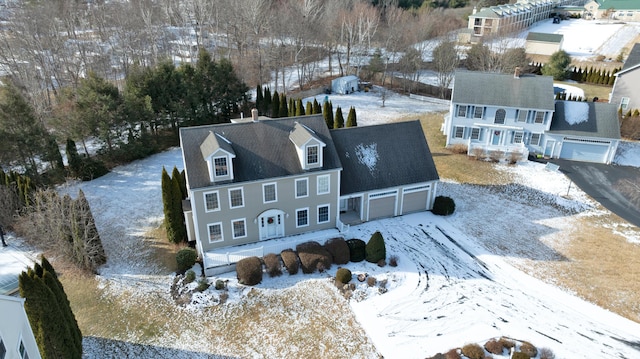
point(254, 114)
point(516, 73)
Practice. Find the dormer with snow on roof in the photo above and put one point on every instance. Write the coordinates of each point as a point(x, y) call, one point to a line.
point(218, 154)
point(309, 147)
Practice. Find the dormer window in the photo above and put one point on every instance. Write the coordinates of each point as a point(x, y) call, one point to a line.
point(312, 155)
point(221, 166)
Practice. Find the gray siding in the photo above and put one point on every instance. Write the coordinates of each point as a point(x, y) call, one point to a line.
point(254, 206)
point(627, 85)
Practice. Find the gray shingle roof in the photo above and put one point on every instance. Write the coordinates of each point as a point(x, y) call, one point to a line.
point(633, 59)
point(383, 156)
point(263, 149)
point(540, 36)
point(212, 143)
point(493, 89)
point(601, 121)
point(302, 134)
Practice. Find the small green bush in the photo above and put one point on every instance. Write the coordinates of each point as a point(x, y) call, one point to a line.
point(493, 346)
point(473, 351)
point(339, 250)
point(529, 349)
point(313, 256)
point(343, 275)
point(186, 258)
point(290, 260)
point(520, 355)
point(375, 249)
point(443, 206)
point(220, 284)
point(249, 271)
point(203, 284)
point(273, 265)
point(356, 250)
point(190, 276)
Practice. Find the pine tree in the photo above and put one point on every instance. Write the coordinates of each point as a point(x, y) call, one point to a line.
point(167, 201)
point(177, 216)
point(275, 105)
point(317, 109)
point(338, 122)
point(87, 242)
point(183, 185)
point(266, 108)
point(292, 108)
point(327, 112)
point(284, 109)
point(259, 98)
point(351, 118)
point(299, 108)
point(309, 109)
point(74, 159)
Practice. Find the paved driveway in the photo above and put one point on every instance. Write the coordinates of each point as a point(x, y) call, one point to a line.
point(615, 187)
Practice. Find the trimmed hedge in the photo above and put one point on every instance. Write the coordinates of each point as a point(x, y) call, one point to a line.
point(473, 351)
point(356, 249)
point(375, 249)
point(186, 258)
point(343, 275)
point(443, 206)
point(273, 265)
point(339, 250)
point(529, 349)
point(520, 355)
point(313, 256)
point(290, 260)
point(249, 271)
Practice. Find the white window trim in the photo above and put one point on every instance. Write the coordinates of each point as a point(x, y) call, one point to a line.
point(539, 138)
point(477, 138)
point(215, 175)
point(275, 192)
point(204, 196)
point(306, 155)
point(328, 213)
point(624, 103)
point(221, 232)
point(455, 132)
point(241, 193)
point(233, 229)
point(328, 177)
point(544, 117)
point(504, 119)
point(306, 179)
point(460, 107)
point(515, 136)
point(482, 110)
point(298, 211)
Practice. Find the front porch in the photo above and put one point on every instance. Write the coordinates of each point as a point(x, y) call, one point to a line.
point(517, 152)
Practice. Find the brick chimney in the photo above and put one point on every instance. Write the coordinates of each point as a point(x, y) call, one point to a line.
point(254, 114)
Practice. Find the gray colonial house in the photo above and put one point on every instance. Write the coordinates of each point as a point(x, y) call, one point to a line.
point(269, 178)
point(516, 115)
point(626, 88)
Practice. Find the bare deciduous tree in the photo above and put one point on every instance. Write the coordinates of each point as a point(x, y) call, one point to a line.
point(445, 61)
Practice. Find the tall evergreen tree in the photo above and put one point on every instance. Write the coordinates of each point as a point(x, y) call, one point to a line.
point(87, 245)
point(266, 109)
point(317, 109)
point(167, 201)
point(351, 118)
point(299, 108)
point(327, 114)
point(338, 122)
point(309, 108)
point(292, 108)
point(275, 105)
point(284, 109)
point(177, 215)
point(259, 99)
point(183, 185)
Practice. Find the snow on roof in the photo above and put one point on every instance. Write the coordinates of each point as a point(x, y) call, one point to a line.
point(367, 155)
point(576, 112)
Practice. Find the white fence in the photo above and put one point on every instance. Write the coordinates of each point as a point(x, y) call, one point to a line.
point(429, 99)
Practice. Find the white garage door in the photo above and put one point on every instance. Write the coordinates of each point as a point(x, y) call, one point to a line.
point(584, 151)
point(415, 199)
point(382, 205)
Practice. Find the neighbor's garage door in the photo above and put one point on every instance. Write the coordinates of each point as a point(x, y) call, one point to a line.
point(382, 205)
point(588, 151)
point(415, 199)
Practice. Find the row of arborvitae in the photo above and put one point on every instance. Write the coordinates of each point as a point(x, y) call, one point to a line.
point(312, 256)
point(47, 306)
point(517, 350)
point(174, 190)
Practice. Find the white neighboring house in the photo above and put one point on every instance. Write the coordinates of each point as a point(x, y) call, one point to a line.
point(16, 337)
point(517, 115)
point(505, 113)
point(344, 85)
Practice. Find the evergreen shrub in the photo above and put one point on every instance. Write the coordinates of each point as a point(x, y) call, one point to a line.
point(290, 260)
point(273, 265)
point(375, 249)
point(338, 249)
point(443, 206)
point(313, 256)
point(356, 250)
point(473, 351)
point(190, 276)
point(529, 349)
point(186, 258)
point(249, 271)
point(343, 275)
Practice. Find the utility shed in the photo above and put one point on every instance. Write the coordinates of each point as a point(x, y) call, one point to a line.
point(344, 85)
point(543, 44)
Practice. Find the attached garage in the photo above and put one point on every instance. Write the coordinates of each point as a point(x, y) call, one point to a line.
point(415, 199)
point(585, 150)
point(382, 204)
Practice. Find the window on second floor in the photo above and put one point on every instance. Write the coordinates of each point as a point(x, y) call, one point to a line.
point(211, 201)
point(323, 184)
point(540, 117)
point(478, 112)
point(220, 164)
point(517, 136)
point(269, 193)
point(312, 155)
point(236, 198)
point(302, 187)
point(522, 115)
point(500, 115)
point(462, 111)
